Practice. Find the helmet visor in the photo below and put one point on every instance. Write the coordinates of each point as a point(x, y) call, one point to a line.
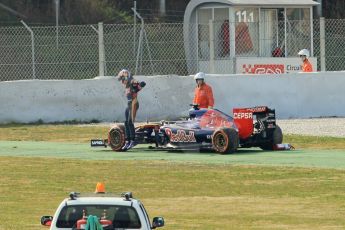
point(123, 78)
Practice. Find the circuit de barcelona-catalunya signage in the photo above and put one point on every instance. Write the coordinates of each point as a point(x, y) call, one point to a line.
point(271, 65)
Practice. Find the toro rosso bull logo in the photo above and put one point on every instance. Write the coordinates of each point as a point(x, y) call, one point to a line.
point(180, 136)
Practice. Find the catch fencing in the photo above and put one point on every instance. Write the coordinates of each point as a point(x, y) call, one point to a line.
point(83, 52)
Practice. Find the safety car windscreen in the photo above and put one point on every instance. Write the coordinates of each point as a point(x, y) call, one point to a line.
point(110, 216)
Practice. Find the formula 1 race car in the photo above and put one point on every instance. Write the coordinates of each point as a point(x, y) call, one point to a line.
point(206, 129)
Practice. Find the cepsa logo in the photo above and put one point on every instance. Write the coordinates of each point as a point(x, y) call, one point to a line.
point(263, 68)
point(242, 115)
point(180, 136)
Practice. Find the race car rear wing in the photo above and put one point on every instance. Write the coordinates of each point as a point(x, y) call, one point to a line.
point(244, 120)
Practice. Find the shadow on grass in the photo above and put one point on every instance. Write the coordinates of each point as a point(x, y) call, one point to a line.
point(146, 149)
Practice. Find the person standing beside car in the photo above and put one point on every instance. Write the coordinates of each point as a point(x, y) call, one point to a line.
point(132, 87)
point(203, 95)
point(304, 55)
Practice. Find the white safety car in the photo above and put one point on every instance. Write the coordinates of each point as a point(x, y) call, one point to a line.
point(107, 211)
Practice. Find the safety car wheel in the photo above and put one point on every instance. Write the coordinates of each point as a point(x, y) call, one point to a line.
point(277, 138)
point(116, 137)
point(225, 140)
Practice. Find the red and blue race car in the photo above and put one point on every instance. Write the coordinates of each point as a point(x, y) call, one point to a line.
point(206, 129)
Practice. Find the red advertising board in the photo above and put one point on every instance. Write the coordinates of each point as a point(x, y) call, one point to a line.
point(276, 65)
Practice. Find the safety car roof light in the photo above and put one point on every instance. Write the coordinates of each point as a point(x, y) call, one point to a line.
point(100, 188)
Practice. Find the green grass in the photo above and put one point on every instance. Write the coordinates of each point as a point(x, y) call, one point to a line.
point(315, 142)
point(189, 195)
point(83, 133)
point(58, 133)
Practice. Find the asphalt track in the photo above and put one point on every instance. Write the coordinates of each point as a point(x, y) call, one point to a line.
point(254, 156)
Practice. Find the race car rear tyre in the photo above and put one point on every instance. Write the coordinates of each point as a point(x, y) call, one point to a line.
point(277, 138)
point(225, 140)
point(116, 137)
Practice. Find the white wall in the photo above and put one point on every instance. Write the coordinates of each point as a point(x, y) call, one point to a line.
point(292, 95)
point(164, 97)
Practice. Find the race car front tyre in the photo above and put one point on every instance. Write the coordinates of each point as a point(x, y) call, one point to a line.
point(277, 138)
point(225, 140)
point(116, 137)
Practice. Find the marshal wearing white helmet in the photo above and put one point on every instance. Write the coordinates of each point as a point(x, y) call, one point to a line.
point(199, 76)
point(304, 55)
point(304, 52)
point(203, 95)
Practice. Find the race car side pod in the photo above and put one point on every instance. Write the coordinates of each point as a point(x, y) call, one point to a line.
point(284, 146)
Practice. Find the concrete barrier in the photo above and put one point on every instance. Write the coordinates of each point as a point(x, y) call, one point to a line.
point(168, 97)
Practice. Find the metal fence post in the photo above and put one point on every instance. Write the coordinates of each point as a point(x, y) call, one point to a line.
point(322, 44)
point(134, 29)
point(211, 30)
point(101, 53)
point(32, 48)
point(142, 36)
point(139, 50)
point(57, 6)
point(102, 68)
